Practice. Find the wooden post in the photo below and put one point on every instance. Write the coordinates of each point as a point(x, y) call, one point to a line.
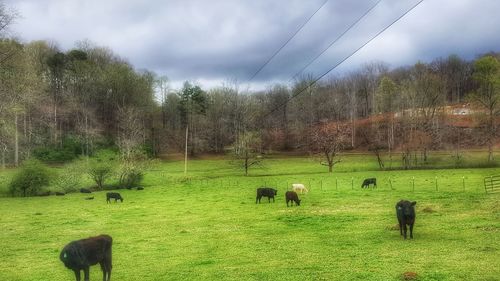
point(463, 182)
point(336, 183)
point(352, 182)
point(186, 152)
point(436, 178)
point(413, 181)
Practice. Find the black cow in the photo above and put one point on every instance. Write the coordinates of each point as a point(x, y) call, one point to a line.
point(292, 196)
point(368, 182)
point(266, 192)
point(114, 195)
point(84, 190)
point(81, 254)
point(140, 188)
point(405, 211)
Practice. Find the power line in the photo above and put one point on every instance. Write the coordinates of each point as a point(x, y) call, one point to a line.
point(288, 41)
point(339, 63)
point(337, 39)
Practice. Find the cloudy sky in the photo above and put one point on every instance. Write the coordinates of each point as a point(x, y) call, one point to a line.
point(213, 41)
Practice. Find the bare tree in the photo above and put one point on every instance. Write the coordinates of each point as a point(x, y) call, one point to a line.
point(487, 75)
point(328, 141)
point(131, 130)
point(246, 151)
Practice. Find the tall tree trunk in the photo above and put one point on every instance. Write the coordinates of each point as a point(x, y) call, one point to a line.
point(55, 123)
point(186, 151)
point(86, 135)
point(16, 142)
point(3, 158)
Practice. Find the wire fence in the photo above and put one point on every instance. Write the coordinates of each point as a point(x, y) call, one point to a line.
point(441, 183)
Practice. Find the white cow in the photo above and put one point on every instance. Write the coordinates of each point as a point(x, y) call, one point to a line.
point(299, 187)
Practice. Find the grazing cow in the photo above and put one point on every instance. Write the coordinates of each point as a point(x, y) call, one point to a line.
point(81, 254)
point(299, 187)
point(405, 211)
point(114, 195)
point(89, 198)
point(368, 182)
point(84, 190)
point(292, 196)
point(266, 192)
point(140, 188)
point(58, 193)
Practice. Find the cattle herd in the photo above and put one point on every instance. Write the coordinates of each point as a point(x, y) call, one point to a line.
point(81, 254)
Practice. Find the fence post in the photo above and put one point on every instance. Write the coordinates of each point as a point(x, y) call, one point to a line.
point(463, 182)
point(352, 182)
point(436, 180)
point(413, 181)
point(321, 184)
point(390, 183)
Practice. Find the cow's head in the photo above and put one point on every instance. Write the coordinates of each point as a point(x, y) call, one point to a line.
point(408, 208)
point(298, 202)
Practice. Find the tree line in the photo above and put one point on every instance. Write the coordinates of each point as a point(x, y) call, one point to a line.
point(57, 104)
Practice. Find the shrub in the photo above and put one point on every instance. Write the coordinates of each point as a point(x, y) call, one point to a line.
point(100, 172)
point(101, 167)
point(32, 177)
point(131, 177)
point(70, 177)
point(71, 148)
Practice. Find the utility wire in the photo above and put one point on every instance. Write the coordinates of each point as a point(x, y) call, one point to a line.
point(286, 43)
point(339, 63)
point(336, 39)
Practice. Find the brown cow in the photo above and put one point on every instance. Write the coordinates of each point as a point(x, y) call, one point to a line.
point(292, 196)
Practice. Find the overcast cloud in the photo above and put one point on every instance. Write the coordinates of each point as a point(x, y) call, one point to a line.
point(219, 40)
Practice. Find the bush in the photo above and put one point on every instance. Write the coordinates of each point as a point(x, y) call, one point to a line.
point(100, 172)
point(131, 177)
point(101, 167)
point(70, 177)
point(32, 177)
point(71, 148)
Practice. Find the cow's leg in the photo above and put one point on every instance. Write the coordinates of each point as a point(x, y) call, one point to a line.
point(109, 271)
point(405, 229)
point(411, 231)
point(107, 262)
point(77, 275)
point(86, 274)
point(400, 229)
point(103, 268)
point(287, 203)
point(273, 199)
point(257, 199)
point(269, 199)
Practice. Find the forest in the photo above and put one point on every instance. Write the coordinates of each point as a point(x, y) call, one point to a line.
point(59, 104)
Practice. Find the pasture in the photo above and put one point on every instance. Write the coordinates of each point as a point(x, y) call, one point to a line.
point(209, 228)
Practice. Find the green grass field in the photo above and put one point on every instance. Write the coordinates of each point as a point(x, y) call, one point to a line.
point(209, 228)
